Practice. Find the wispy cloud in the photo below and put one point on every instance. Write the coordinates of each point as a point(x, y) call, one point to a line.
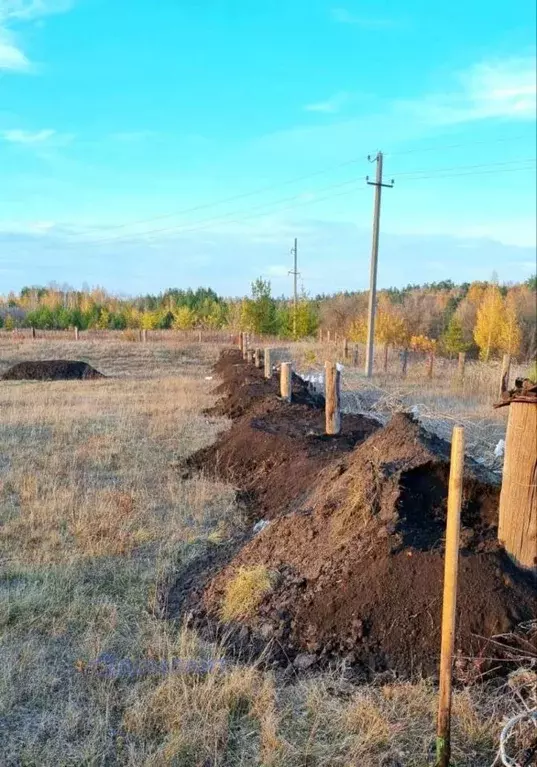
point(13, 13)
point(344, 16)
point(17, 136)
point(494, 89)
point(332, 105)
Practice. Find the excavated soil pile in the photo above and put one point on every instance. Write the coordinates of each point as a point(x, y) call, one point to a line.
point(357, 562)
point(51, 370)
point(274, 450)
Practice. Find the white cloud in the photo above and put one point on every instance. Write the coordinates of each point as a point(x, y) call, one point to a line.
point(496, 89)
point(17, 136)
point(16, 12)
point(331, 105)
point(344, 16)
point(12, 58)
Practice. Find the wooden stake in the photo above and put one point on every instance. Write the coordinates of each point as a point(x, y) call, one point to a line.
point(404, 365)
point(355, 357)
point(345, 349)
point(268, 363)
point(506, 369)
point(517, 529)
point(144, 335)
point(449, 607)
point(462, 364)
point(199, 337)
point(386, 347)
point(33, 332)
point(257, 358)
point(76, 333)
point(245, 347)
point(285, 381)
point(430, 366)
point(320, 335)
point(332, 377)
point(328, 336)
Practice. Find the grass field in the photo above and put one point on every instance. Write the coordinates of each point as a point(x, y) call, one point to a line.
point(94, 519)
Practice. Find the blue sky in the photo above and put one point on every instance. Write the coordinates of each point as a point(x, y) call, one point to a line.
point(144, 145)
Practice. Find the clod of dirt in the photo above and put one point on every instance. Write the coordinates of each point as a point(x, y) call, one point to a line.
point(51, 370)
point(356, 538)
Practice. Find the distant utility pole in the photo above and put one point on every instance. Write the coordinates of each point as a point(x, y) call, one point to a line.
point(295, 274)
point(374, 261)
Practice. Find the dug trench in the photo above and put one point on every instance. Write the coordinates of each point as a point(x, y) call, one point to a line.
point(352, 542)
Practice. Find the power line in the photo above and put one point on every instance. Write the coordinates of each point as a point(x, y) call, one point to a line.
point(218, 219)
point(466, 167)
point(295, 180)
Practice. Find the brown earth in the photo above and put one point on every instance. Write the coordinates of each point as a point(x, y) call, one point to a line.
point(274, 451)
point(355, 541)
point(50, 370)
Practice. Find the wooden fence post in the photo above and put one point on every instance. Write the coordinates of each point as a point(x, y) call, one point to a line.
point(268, 363)
point(404, 363)
point(144, 335)
point(199, 337)
point(328, 336)
point(332, 387)
point(449, 607)
point(430, 366)
point(285, 381)
point(320, 335)
point(76, 333)
point(33, 332)
point(245, 347)
point(345, 349)
point(257, 358)
point(461, 366)
point(517, 528)
point(386, 347)
point(355, 357)
point(506, 370)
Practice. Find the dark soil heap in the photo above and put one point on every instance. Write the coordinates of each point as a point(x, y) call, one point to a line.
point(356, 538)
point(274, 450)
point(51, 370)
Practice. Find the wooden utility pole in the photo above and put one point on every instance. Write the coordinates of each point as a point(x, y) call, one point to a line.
point(285, 381)
point(332, 396)
point(506, 370)
point(517, 528)
point(449, 608)
point(295, 274)
point(268, 363)
point(370, 346)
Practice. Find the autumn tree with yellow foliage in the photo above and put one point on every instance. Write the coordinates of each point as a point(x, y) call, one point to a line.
point(489, 322)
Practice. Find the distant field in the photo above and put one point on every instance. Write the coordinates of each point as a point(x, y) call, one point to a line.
point(95, 518)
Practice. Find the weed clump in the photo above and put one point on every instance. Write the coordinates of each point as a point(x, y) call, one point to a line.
point(245, 591)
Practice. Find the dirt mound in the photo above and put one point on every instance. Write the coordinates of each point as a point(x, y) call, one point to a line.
point(51, 370)
point(359, 568)
point(356, 537)
point(274, 450)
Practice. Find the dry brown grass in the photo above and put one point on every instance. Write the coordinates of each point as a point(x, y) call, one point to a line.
point(94, 517)
point(245, 591)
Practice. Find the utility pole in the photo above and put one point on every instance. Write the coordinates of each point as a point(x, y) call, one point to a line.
point(295, 274)
point(374, 262)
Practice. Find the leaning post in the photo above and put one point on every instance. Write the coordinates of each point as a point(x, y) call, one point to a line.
point(449, 605)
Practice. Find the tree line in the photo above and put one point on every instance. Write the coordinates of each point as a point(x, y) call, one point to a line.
point(480, 318)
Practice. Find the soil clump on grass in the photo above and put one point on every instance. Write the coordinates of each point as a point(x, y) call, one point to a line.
point(51, 370)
